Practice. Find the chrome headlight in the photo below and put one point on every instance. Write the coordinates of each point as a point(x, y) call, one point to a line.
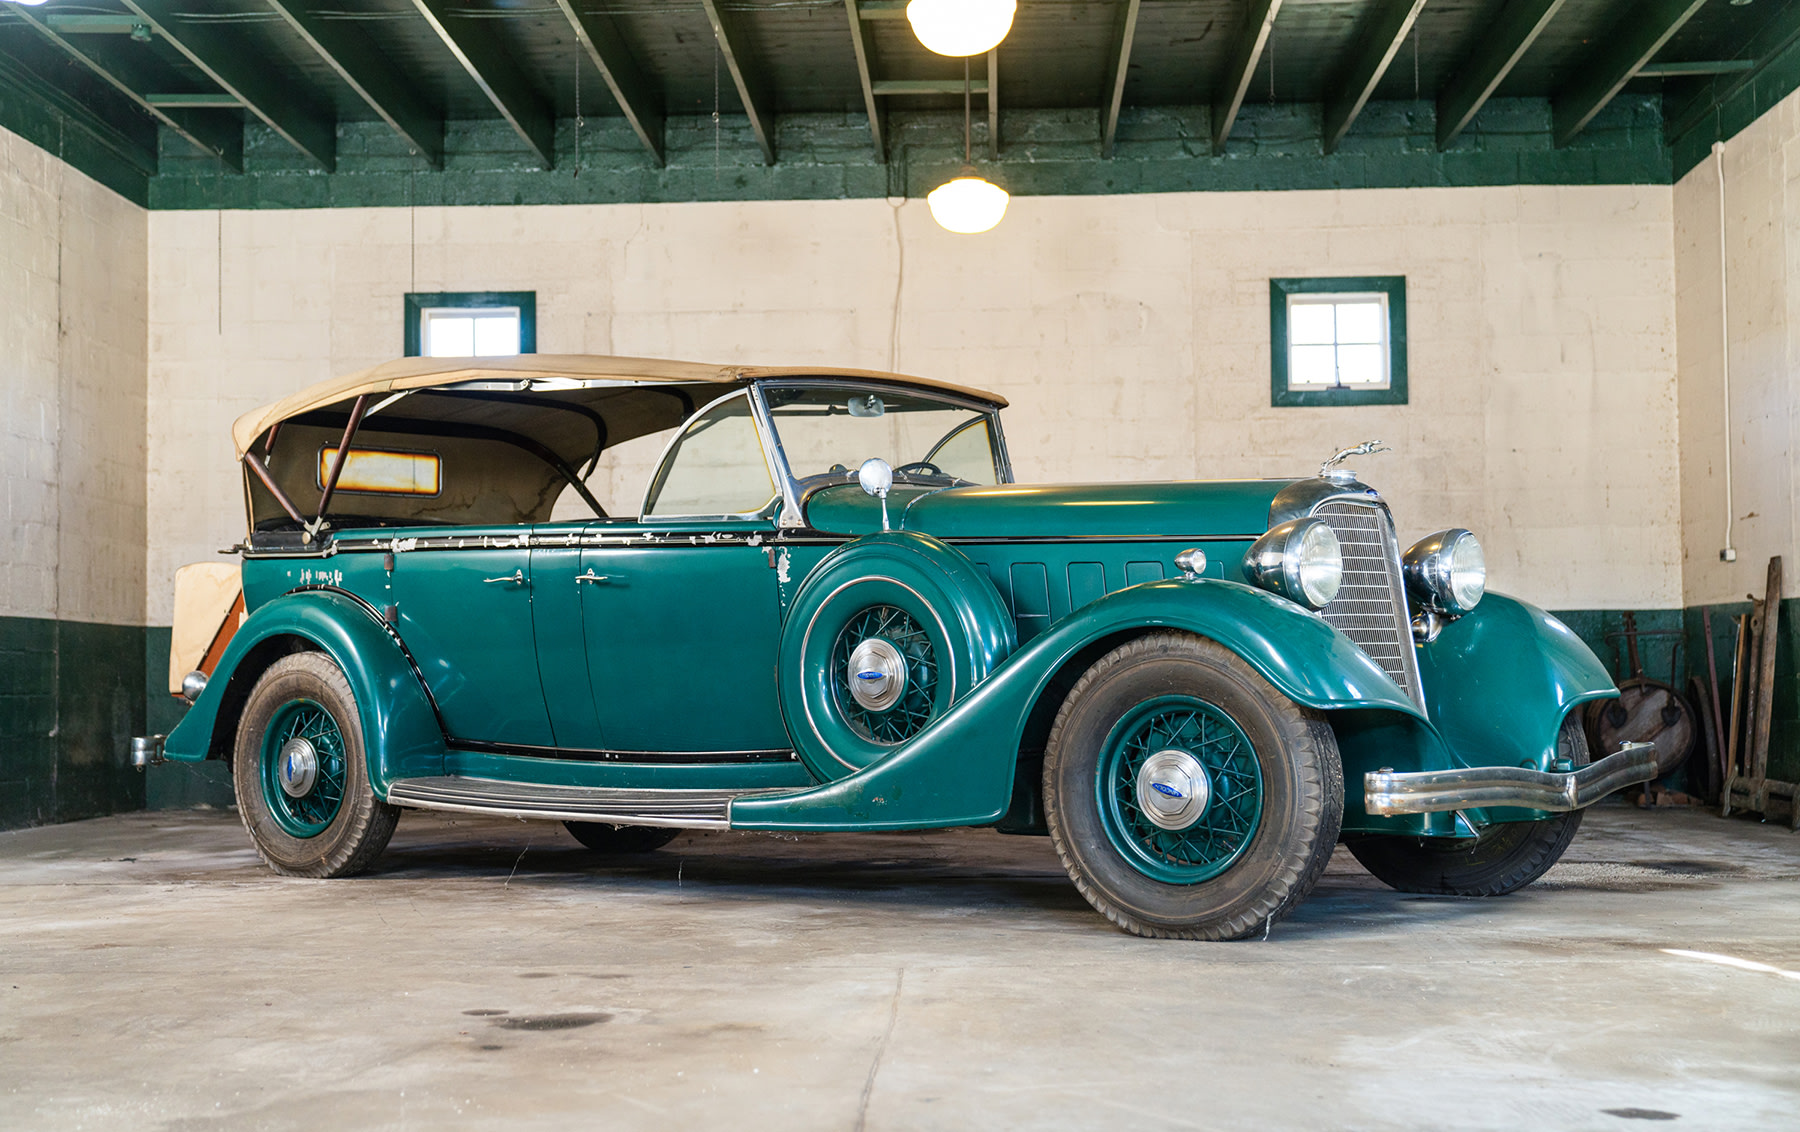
point(1300, 560)
point(1446, 571)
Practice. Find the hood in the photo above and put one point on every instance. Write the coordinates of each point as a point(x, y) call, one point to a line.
point(1184, 509)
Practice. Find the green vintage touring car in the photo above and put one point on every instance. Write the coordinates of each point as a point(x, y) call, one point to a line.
point(836, 611)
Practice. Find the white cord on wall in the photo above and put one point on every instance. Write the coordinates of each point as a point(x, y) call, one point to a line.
point(899, 284)
point(1727, 553)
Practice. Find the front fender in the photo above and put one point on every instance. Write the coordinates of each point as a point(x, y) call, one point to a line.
point(400, 729)
point(959, 771)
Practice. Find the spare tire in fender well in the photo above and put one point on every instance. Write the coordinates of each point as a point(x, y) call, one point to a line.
point(942, 594)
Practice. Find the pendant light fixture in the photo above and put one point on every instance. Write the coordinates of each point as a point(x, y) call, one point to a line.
point(968, 204)
point(961, 27)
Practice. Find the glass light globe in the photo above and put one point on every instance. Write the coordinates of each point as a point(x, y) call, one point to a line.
point(968, 204)
point(961, 27)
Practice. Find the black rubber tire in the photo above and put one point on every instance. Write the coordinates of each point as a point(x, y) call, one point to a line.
point(1303, 792)
point(1505, 858)
point(363, 824)
point(604, 837)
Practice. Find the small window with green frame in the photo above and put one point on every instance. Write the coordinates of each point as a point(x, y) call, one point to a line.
point(1338, 341)
point(471, 324)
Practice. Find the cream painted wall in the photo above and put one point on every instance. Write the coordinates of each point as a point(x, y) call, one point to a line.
point(1131, 334)
point(72, 395)
point(1762, 253)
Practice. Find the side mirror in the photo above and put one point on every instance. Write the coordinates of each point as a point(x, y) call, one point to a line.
point(877, 478)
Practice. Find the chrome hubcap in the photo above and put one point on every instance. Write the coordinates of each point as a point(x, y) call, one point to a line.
point(877, 674)
point(299, 767)
point(1173, 789)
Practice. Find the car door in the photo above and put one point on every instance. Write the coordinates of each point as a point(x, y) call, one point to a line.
point(680, 609)
point(682, 636)
point(465, 612)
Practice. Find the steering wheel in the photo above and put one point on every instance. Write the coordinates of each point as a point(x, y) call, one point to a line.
point(925, 466)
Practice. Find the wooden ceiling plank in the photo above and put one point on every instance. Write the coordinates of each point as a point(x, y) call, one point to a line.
point(1634, 41)
point(224, 56)
point(392, 95)
point(749, 85)
point(218, 134)
point(498, 76)
point(1387, 31)
point(632, 89)
point(1121, 63)
point(859, 39)
point(1253, 37)
point(1496, 53)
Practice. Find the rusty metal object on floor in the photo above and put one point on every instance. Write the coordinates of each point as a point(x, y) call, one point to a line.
point(1747, 782)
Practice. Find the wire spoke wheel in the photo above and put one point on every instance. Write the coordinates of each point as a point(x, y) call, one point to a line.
point(1197, 821)
point(884, 675)
point(303, 764)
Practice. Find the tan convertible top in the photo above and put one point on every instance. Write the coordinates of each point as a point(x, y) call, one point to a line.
point(422, 373)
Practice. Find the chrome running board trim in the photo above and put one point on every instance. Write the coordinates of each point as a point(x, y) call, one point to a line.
point(1386, 793)
point(680, 809)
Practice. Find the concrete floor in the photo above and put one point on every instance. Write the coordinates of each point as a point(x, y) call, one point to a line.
point(494, 975)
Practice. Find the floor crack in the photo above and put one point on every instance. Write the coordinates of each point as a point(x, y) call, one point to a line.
point(862, 1108)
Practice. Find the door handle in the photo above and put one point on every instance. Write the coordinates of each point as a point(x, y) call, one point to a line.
point(516, 578)
point(591, 577)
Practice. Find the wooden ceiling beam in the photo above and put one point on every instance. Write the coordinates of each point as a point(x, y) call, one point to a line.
point(1496, 53)
point(1253, 37)
point(1386, 31)
point(229, 60)
point(865, 71)
point(729, 33)
point(632, 89)
point(498, 76)
point(1121, 65)
point(217, 133)
point(1634, 41)
point(347, 50)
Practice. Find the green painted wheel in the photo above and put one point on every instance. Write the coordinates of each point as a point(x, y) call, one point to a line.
point(303, 768)
point(1180, 789)
point(884, 636)
point(302, 775)
point(884, 675)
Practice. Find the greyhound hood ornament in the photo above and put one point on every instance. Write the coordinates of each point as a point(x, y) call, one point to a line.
point(1366, 448)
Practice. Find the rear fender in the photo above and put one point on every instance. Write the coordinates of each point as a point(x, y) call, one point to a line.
point(959, 770)
point(401, 735)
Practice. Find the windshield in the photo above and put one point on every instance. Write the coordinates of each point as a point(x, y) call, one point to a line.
point(832, 430)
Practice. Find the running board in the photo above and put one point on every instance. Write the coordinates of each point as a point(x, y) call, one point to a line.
point(682, 809)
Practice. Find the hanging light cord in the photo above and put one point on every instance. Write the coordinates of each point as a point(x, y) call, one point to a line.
point(968, 112)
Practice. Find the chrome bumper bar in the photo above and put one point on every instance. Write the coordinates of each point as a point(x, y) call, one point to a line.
point(1386, 793)
point(147, 750)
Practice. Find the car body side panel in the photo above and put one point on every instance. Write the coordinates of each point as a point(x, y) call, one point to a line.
point(400, 730)
point(959, 771)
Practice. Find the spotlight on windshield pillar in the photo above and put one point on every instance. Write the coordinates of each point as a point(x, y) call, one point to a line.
point(969, 204)
point(961, 27)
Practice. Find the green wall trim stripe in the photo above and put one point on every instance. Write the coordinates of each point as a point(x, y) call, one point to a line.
point(70, 701)
point(829, 157)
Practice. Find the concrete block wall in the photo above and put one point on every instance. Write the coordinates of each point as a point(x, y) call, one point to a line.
point(72, 461)
point(1131, 334)
point(1761, 437)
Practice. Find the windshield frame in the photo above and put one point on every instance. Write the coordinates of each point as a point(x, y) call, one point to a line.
point(794, 492)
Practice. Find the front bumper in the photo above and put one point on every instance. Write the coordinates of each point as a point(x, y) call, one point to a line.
point(1386, 792)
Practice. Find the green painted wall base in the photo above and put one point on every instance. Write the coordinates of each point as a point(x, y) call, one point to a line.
point(71, 698)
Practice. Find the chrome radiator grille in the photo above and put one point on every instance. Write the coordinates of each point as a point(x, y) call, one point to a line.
point(1371, 605)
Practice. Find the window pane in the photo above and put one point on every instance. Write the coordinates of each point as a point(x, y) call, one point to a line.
point(1312, 365)
point(717, 467)
point(449, 337)
point(1309, 323)
point(1361, 365)
point(497, 335)
point(1359, 322)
